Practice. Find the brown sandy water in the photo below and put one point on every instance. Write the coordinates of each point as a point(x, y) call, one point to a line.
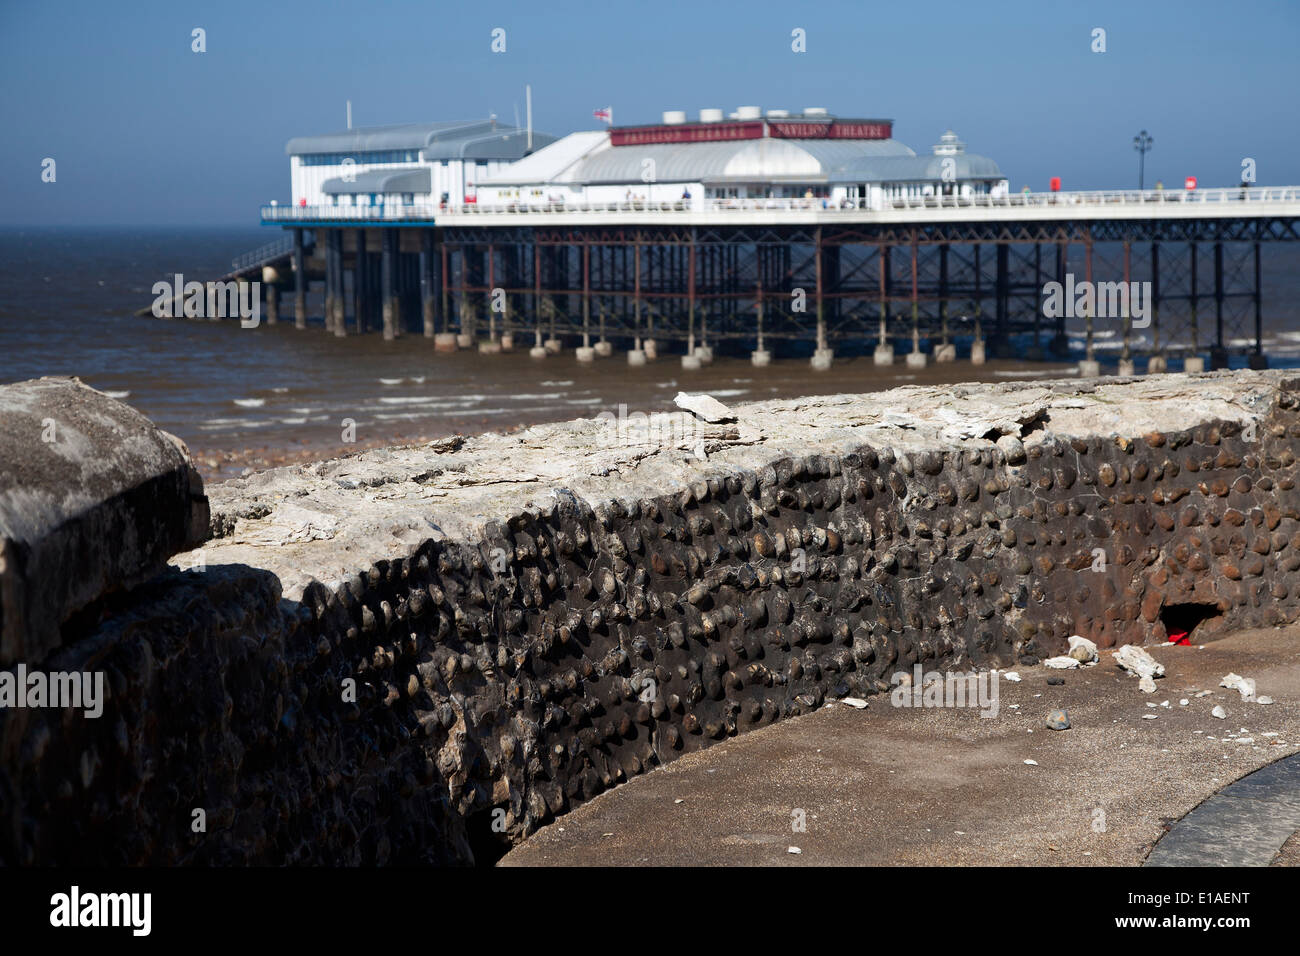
point(254, 398)
point(468, 393)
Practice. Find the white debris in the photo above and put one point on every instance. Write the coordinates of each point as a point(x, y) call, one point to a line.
point(794, 849)
point(1147, 684)
point(1082, 650)
point(1184, 702)
point(856, 702)
point(1245, 740)
point(1218, 712)
point(705, 406)
point(1204, 693)
point(1164, 703)
point(1138, 662)
point(1061, 663)
point(1012, 676)
point(1264, 700)
point(1031, 763)
point(1243, 685)
point(1150, 716)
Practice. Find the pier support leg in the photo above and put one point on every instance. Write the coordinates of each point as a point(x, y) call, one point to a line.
point(444, 341)
point(1258, 360)
point(760, 357)
point(1194, 362)
point(427, 291)
point(387, 265)
point(823, 356)
point(493, 345)
point(300, 283)
point(884, 354)
point(1001, 338)
point(272, 304)
point(340, 291)
point(945, 351)
point(1035, 351)
point(334, 284)
point(1126, 364)
point(538, 351)
point(1089, 367)
point(585, 353)
point(360, 284)
point(604, 347)
point(1219, 352)
point(329, 279)
point(1157, 363)
point(1060, 344)
point(916, 358)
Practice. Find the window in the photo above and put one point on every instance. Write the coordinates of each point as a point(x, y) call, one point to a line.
point(371, 156)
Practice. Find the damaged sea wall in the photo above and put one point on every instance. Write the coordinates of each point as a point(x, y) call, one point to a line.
point(413, 655)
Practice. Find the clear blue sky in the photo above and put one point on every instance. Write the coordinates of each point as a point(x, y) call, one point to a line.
point(144, 131)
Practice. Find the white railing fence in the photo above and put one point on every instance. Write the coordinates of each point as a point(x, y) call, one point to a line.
point(1234, 197)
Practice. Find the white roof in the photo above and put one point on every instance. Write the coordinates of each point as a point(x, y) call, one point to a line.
point(559, 162)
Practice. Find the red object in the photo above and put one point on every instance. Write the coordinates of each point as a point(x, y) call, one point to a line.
point(1055, 184)
point(302, 202)
point(1189, 182)
point(1180, 637)
point(835, 129)
point(685, 133)
point(750, 129)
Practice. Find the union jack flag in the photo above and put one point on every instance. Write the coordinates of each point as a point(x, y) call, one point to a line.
point(606, 115)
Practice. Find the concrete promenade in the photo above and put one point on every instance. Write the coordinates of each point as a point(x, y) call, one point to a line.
point(902, 787)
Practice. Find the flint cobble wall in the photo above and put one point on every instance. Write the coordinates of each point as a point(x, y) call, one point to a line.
point(473, 686)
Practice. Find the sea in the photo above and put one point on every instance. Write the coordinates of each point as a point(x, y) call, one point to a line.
point(246, 398)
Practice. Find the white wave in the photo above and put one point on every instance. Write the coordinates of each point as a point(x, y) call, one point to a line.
point(391, 381)
point(293, 421)
point(280, 389)
point(557, 384)
point(250, 402)
point(122, 394)
point(418, 379)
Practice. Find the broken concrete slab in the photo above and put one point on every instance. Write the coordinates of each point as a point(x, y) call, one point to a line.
point(705, 406)
point(94, 498)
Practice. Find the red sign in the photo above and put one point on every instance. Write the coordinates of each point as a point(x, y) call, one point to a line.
point(1055, 184)
point(834, 129)
point(1189, 183)
point(685, 133)
point(750, 129)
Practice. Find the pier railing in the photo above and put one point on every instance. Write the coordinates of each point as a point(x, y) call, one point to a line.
point(1229, 201)
point(263, 254)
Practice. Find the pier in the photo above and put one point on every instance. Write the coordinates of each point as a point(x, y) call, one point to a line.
point(788, 274)
point(773, 234)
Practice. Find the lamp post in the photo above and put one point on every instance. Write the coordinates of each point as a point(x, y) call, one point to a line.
point(1142, 142)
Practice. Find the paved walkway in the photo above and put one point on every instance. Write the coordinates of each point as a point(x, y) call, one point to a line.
point(896, 786)
point(1245, 824)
